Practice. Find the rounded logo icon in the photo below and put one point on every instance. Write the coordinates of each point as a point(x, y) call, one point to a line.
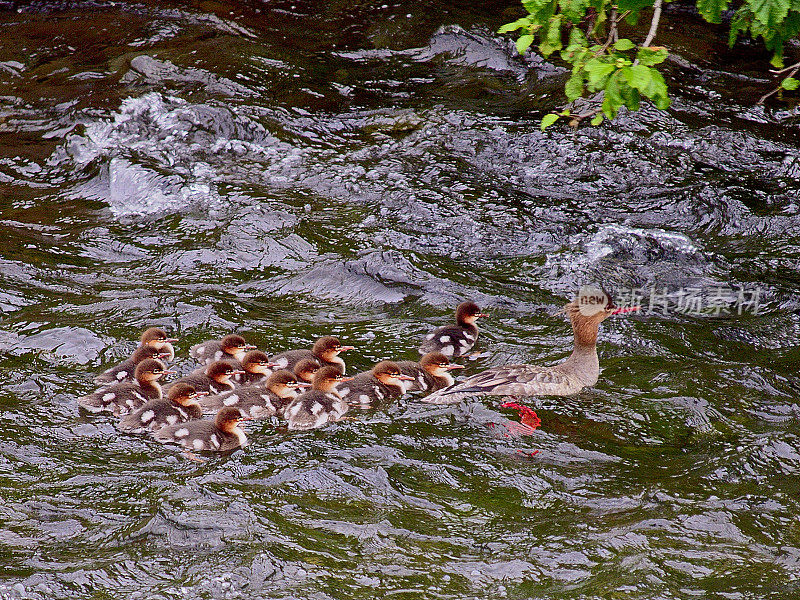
point(592, 300)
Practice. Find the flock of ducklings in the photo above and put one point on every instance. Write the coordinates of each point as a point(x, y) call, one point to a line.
point(236, 382)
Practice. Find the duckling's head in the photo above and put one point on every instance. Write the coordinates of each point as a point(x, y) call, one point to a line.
point(328, 348)
point(327, 377)
point(437, 364)
point(256, 361)
point(388, 373)
point(235, 346)
point(143, 352)
point(305, 369)
point(228, 418)
point(467, 312)
point(283, 384)
point(221, 371)
point(156, 338)
point(150, 370)
point(184, 394)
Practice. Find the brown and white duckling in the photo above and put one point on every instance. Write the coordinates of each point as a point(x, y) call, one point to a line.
point(258, 402)
point(455, 340)
point(221, 435)
point(154, 343)
point(257, 368)
point(321, 404)
point(384, 382)
point(125, 370)
point(581, 369)
point(122, 398)
point(231, 346)
point(179, 406)
point(306, 369)
point(326, 351)
point(214, 380)
point(431, 373)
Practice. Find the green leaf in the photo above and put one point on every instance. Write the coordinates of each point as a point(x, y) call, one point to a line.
point(551, 39)
point(573, 10)
point(638, 77)
point(771, 13)
point(598, 118)
point(711, 10)
point(651, 55)
point(523, 22)
point(524, 42)
point(630, 96)
point(598, 73)
point(574, 87)
point(577, 38)
point(790, 83)
point(613, 95)
point(548, 120)
point(624, 44)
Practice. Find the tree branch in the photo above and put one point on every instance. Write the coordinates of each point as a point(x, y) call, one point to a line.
point(794, 69)
point(653, 24)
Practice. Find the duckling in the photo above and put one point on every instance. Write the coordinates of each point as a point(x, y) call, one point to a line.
point(455, 340)
point(122, 398)
point(326, 351)
point(125, 370)
point(231, 346)
point(221, 435)
point(154, 343)
point(214, 380)
point(431, 373)
point(179, 406)
point(306, 369)
point(256, 401)
point(321, 404)
point(257, 368)
point(383, 382)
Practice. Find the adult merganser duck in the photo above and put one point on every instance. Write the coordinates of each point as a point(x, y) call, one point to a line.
point(455, 340)
point(220, 435)
point(257, 368)
point(179, 406)
point(256, 401)
point(321, 404)
point(580, 370)
point(384, 382)
point(306, 369)
point(231, 346)
point(326, 350)
point(431, 373)
point(214, 380)
point(122, 398)
point(154, 343)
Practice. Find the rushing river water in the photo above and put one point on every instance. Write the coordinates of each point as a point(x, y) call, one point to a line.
point(291, 169)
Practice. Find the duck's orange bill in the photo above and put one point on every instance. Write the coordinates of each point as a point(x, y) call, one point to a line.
point(452, 366)
point(345, 348)
point(480, 315)
point(344, 379)
point(168, 372)
point(404, 377)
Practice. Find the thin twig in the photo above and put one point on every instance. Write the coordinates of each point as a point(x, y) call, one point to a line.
point(789, 68)
point(653, 24)
point(795, 68)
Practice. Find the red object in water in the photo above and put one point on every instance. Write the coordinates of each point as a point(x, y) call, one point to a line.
point(527, 415)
